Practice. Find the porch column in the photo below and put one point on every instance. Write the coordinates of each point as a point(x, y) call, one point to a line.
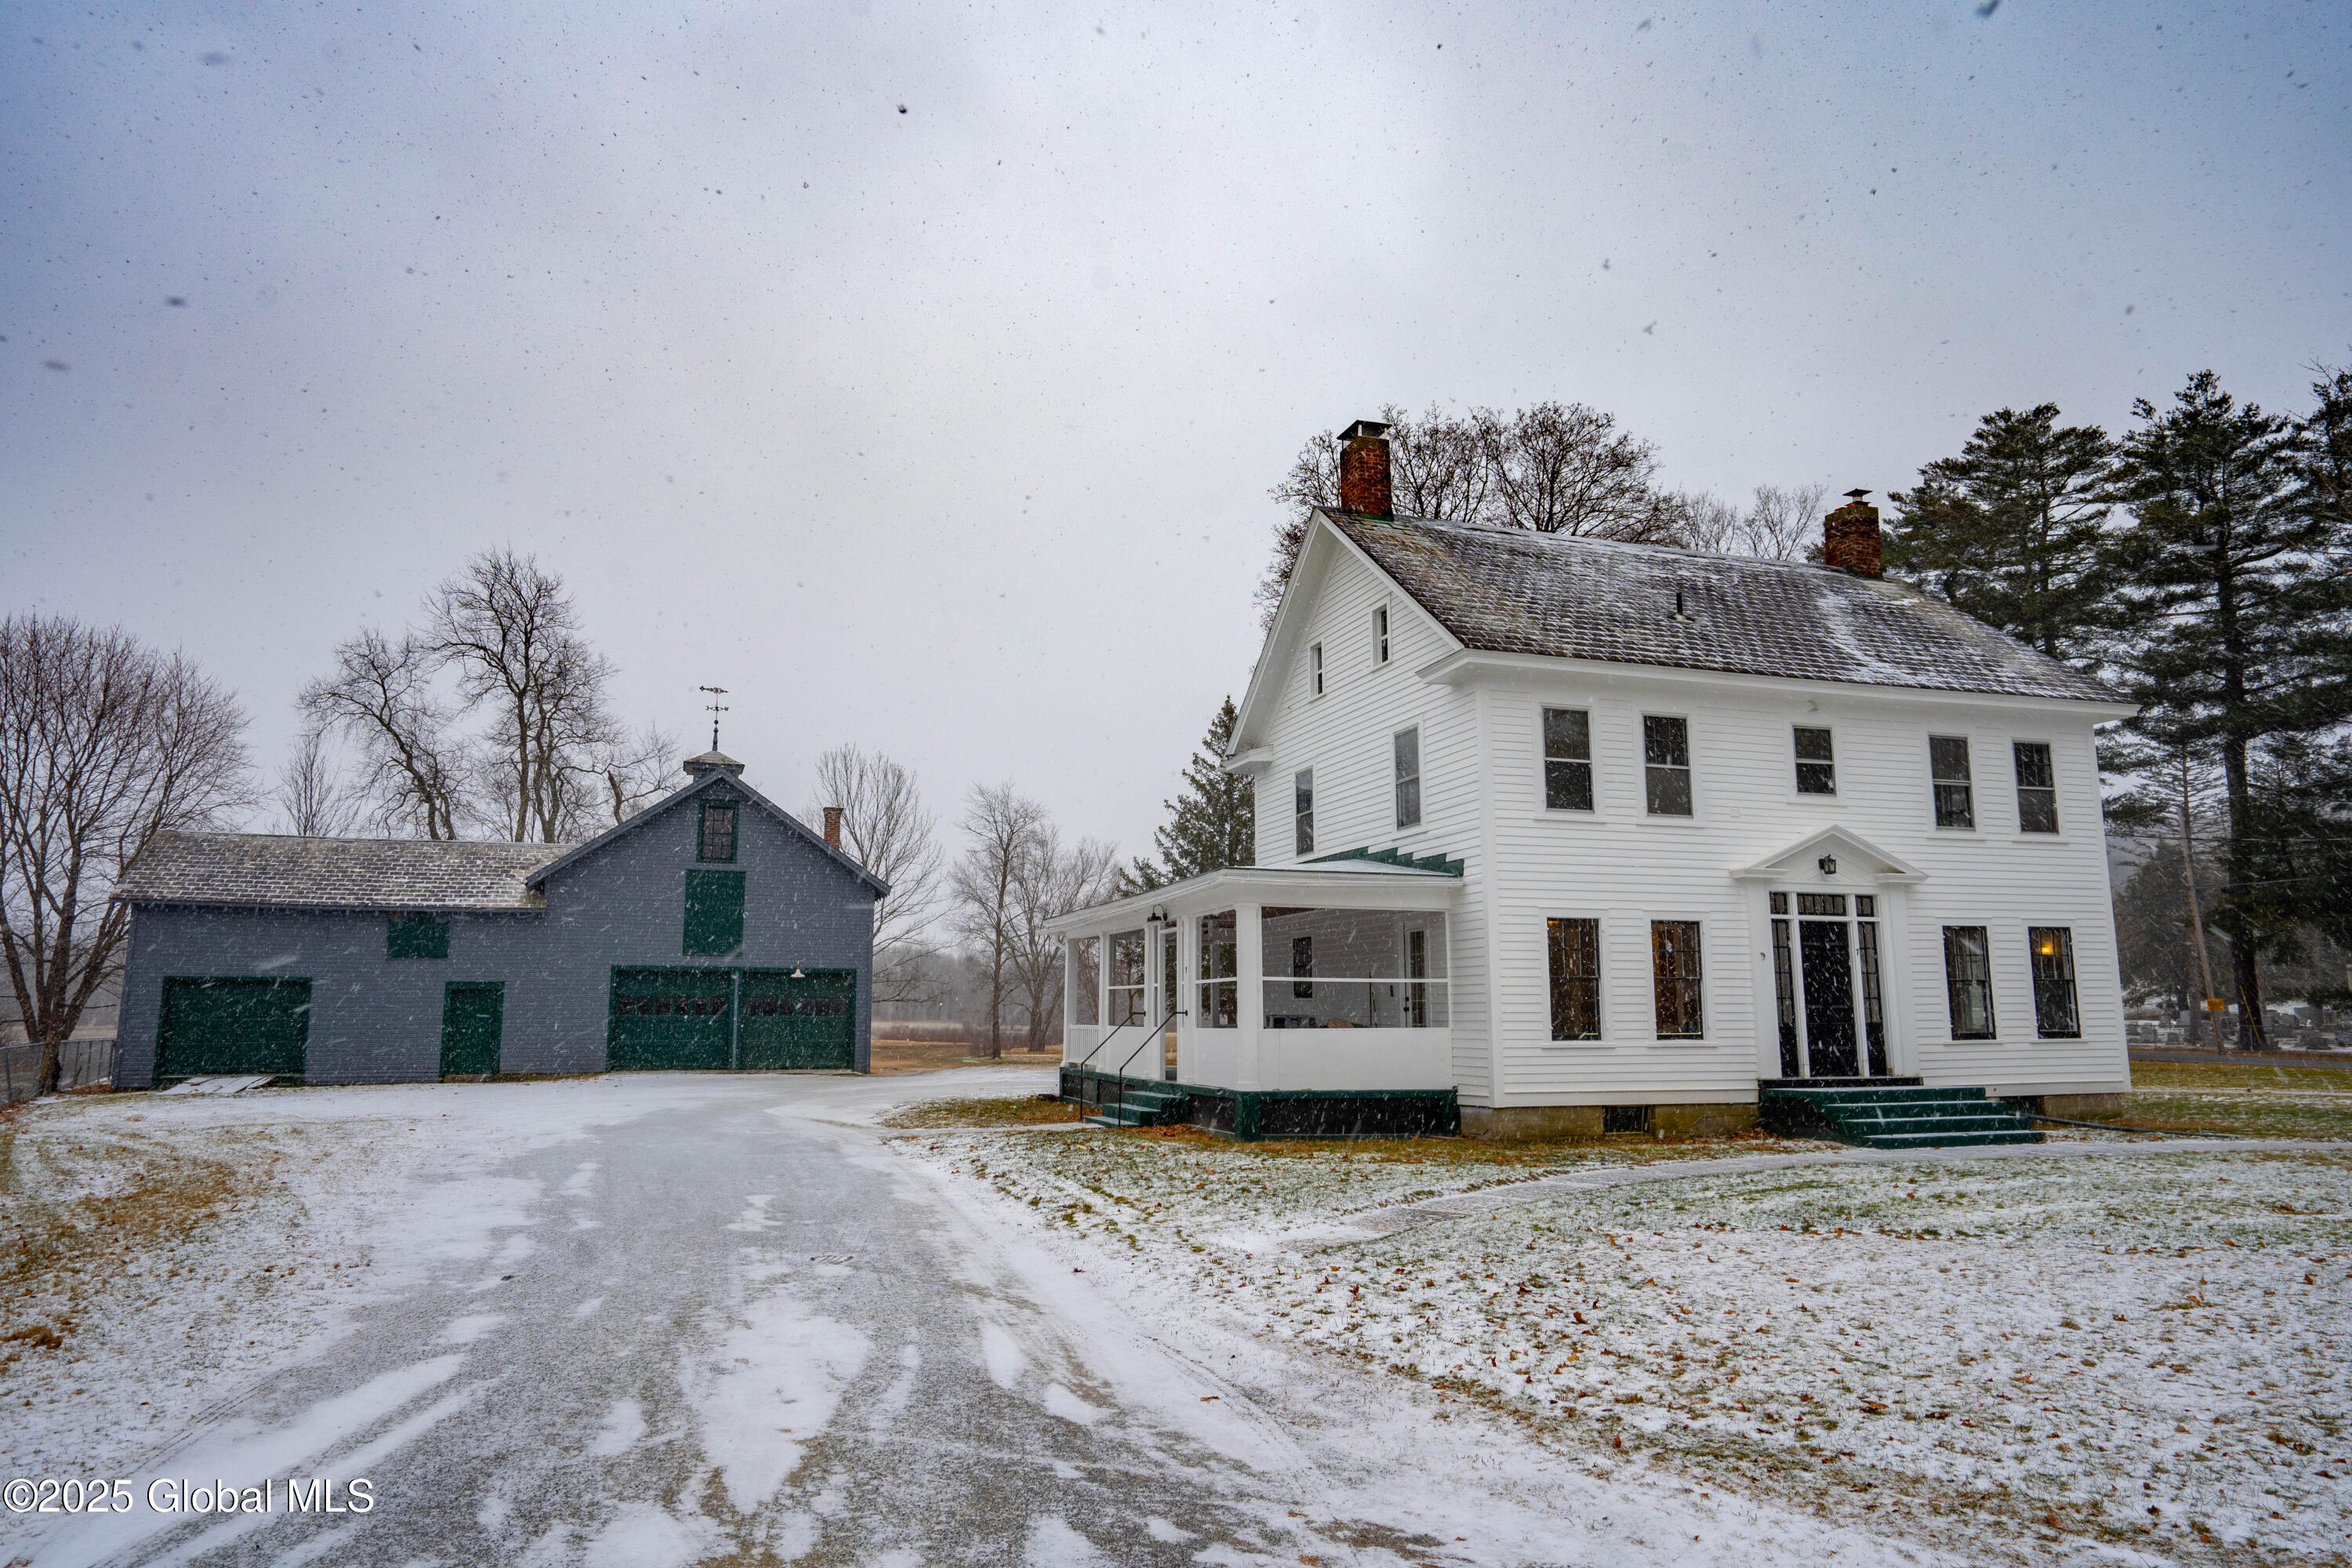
point(1249, 1017)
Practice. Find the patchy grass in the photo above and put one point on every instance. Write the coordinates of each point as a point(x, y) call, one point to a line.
point(2132, 1353)
point(936, 1055)
point(2269, 1076)
point(1021, 1110)
point(2249, 1113)
point(1527, 1159)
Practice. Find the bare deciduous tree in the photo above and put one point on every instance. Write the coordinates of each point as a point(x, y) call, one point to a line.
point(635, 769)
point(312, 799)
point(104, 742)
point(380, 696)
point(1783, 524)
point(1053, 880)
point(510, 631)
point(1001, 828)
point(886, 829)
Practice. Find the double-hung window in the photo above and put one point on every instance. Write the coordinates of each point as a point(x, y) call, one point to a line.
point(1575, 951)
point(1380, 634)
point(1302, 812)
point(1567, 759)
point(1947, 769)
point(1816, 763)
point(1408, 777)
point(1666, 758)
point(2037, 787)
point(1968, 981)
point(2055, 1016)
point(1674, 970)
point(1314, 671)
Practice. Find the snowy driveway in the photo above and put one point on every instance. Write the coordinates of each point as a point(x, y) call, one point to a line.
point(668, 1320)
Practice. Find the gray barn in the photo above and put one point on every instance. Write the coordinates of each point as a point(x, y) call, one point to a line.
point(712, 930)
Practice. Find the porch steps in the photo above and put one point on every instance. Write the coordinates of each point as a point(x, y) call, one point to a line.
point(1897, 1114)
point(1139, 1105)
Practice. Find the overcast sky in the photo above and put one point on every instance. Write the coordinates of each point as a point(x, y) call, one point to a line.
point(917, 372)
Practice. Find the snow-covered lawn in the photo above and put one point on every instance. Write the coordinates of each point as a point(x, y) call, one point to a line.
point(2135, 1352)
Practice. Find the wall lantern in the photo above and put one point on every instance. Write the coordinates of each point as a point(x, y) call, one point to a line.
point(1828, 864)
point(1157, 917)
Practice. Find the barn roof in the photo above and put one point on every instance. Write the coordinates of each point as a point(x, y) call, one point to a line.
point(272, 870)
point(1507, 590)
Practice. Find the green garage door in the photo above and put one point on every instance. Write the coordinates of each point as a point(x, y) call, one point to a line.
point(804, 1022)
point(669, 1020)
point(233, 1026)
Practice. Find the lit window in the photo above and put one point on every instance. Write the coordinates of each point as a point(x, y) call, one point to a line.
point(2037, 789)
point(1968, 981)
point(1380, 634)
point(1302, 811)
point(1816, 765)
point(1675, 969)
point(1567, 759)
point(1575, 979)
point(1666, 755)
point(1948, 766)
point(1314, 669)
point(2054, 1014)
point(1408, 778)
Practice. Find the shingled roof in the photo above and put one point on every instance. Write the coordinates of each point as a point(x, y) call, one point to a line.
point(274, 871)
point(1505, 590)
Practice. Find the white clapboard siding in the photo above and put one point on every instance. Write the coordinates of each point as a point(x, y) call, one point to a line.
point(1482, 801)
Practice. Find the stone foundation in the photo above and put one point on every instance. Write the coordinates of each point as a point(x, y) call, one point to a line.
point(1540, 1123)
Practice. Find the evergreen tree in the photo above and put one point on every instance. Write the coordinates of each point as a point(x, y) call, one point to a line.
point(2238, 631)
point(1212, 825)
point(2012, 529)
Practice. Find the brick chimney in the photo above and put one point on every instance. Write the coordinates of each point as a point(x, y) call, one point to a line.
point(1850, 537)
point(1364, 468)
point(833, 825)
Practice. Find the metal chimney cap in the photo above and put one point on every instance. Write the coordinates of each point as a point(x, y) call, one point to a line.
point(1364, 430)
point(1855, 495)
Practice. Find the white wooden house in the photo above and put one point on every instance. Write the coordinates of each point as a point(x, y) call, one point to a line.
point(1569, 834)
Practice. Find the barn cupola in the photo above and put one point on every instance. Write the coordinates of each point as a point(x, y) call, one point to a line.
point(712, 762)
point(1364, 469)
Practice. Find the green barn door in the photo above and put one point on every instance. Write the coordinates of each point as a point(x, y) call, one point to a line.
point(473, 1012)
point(809, 1022)
point(233, 1026)
point(671, 1020)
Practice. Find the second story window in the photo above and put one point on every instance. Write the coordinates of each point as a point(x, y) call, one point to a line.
point(1314, 671)
point(1302, 812)
point(1816, 763)
point(1665, 757)
point(1380, 634)
point(1408, 778)
point(2037, 789)
point(717, 841)
point(1567, 759)
point(1948, 767)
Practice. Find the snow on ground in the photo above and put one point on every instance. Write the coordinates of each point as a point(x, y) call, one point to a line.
point(2135, 1354)
point(159, 1255)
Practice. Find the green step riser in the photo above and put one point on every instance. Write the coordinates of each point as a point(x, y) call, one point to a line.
point(1828, 1096)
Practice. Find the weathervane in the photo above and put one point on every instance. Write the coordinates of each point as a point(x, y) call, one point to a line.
point(716, 709)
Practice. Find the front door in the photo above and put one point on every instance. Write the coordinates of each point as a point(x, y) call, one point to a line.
point(473, 1014)
point(1829, 1000)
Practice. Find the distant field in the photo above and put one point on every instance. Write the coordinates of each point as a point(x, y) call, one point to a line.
point(2259, 1100)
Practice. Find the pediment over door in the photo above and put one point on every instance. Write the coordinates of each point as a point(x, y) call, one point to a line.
point(1856, 860)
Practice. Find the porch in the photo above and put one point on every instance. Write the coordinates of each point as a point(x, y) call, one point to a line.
point(1246, 990)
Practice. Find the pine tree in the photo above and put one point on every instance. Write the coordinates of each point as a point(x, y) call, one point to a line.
point(2012, 529)
point(2237, 589)
point(1212, 825)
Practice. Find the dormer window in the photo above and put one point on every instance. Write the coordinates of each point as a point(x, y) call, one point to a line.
point(1314, 671)
point(716, 839)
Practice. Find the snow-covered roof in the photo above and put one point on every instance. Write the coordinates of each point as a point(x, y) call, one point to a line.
point(280, 871)
point(1507, 590)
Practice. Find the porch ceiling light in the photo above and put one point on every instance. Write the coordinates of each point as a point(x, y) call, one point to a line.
point(797, 974)
point(1828, 864)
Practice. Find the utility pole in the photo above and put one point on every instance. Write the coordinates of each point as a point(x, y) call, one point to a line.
point(2196, 920)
